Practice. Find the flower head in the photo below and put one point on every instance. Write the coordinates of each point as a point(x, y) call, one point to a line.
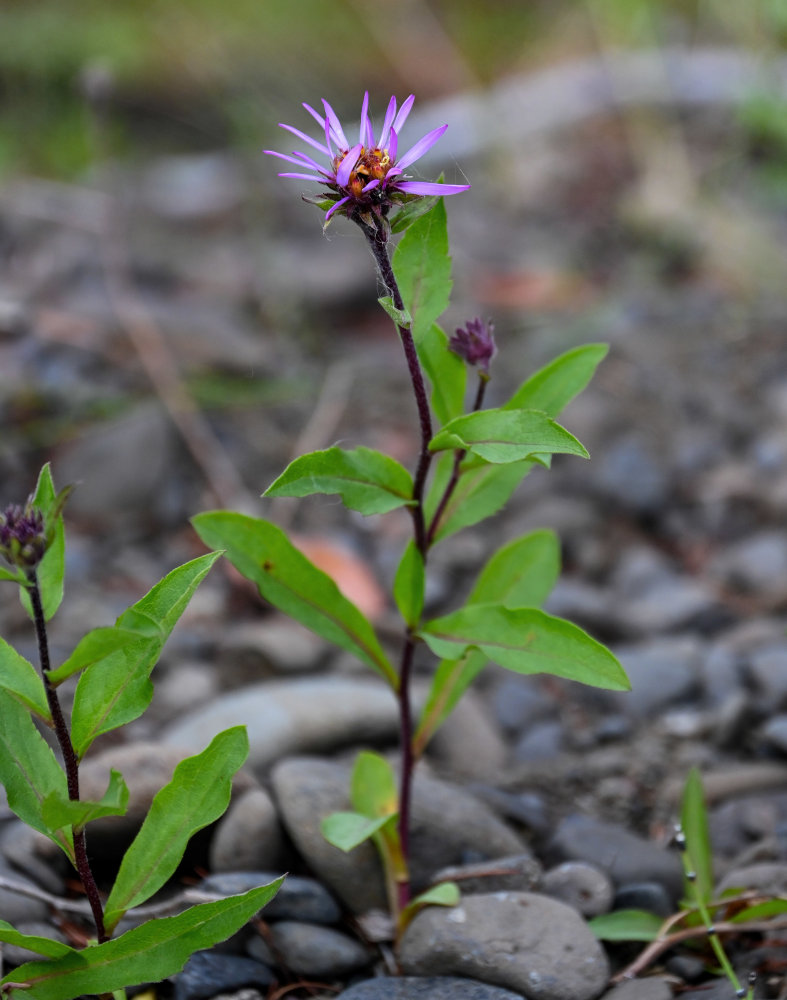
point(367, 176)
point(23, 538)
point(475, 343)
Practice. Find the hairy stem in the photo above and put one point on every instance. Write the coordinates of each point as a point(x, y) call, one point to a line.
point(70, 759)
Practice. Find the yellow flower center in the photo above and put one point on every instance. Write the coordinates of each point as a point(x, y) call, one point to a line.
point(373, 164)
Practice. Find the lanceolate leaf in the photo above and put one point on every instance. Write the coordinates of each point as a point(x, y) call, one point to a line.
point(366, 480)
point(198, 794)
point(694, 822)
point(501, 436)
point(286, 578)
point(409, 583)
point(21, 679)
point(446, 372)
point(451, 679)
point(481, 491)
point(444, 894)
point(373, 786)
point(423, 269)
point(40, 945)
point(626, 925)
point(95, 646)
point(527, 641)
point(149, 953)
point(61, 812)
point(346, 830)
point(29, 771)
point(521, 574)
point(557, 383)
point(116, 687)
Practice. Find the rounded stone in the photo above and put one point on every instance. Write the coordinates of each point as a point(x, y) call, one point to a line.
point(527, 943)
point(583, 886)
point(425, 988)
point(299, 898)
point(517, 873)
point(320, 952)
point(651, 988)
point(248, 837)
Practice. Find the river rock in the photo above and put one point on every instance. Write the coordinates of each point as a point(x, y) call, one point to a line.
point(662, 672)
point(528, 943)
point(425, 988)
point(768, 877)
point(248, 836)
point(519, 873)
point(316, 952)
point(578, 884)
point(447, 824)
point(299, 898)
point(652, 988)
point(208, 972)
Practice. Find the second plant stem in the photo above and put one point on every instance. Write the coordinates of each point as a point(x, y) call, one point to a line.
point(70, 759)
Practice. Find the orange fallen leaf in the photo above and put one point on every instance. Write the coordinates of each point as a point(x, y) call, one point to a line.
point(349, 572)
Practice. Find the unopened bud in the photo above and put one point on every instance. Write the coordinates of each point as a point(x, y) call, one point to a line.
point(22, 536)
point(475, 343)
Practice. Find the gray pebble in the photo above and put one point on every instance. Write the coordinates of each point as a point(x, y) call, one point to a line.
point(313, 951)
point(425, 988)
point(652, 988)
point(662, 672)
point(516, 873)
point(248, 836)
point(469, 743)
point(774, 733)
point(623, 855)
point(542, 741)
point(714, 989)
point(518, 702)
point(769, 877)
point(299, 898)
point(578, 884)
point(207, 973)
point(528, 943)
point(650, 896)
point(26, 850)
point(757, 564)
point(632, 476)
point(768, 670)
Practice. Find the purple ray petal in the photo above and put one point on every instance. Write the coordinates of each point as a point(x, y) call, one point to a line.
point(315, 115)
point(306, 177)
point(428, 187)
point(303, 158)
point(305, 138)
point(390, 114)
point(347, 165)
point(393, 143)
point(370, 186)
point(417, 151)
point(336, 125)
point(404, 111)
point(299, 160)
point(338, 204)
point(365, 137)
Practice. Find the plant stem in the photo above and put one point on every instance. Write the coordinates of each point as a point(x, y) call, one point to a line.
point(70, 759)
point(407, 761)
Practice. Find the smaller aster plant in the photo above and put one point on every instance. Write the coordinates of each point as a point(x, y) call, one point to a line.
point(364, 179)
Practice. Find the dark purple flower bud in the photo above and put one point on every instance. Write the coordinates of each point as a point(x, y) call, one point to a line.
point(475, 343)
point(22, 536)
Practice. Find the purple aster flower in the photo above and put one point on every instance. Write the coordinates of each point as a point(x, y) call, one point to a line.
point(366, 176)
point(475, 343)
point(22, 536)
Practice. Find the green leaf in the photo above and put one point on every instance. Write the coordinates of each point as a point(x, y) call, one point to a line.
point(116, 688)
point(21, 679)
point(760, 911)
point(423, 269)
point(626, 925)
point(444, 894)
point(29, 771)
point(40, 945)
point(411, 211)
point(93, 647)
point(400, 316)
point(61, 812)
point(149, 953)
point(556, 384)
point(293, 584)
point(198, 794)
point(450, 681)
point(527, 641)
point(446, 372)
point(366, 480)
point(502, 436)
point(10, 574)
point(346, 830)
point(694, 822)
point(521, 574)
point(481, 491)
point(409, 584)
point(373, 786)
point(51, 569)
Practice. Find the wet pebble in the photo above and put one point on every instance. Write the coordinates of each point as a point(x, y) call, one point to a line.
point(578, 884)
point(248, 837)
point(207, 973)
point(425, 988)
point(528, 943)
point(299, 898)
point(314, 951)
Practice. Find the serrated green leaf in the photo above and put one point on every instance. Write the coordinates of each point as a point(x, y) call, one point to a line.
point(365, 479)
point(447, 374)
point(423, 269)
point(502, 436)
point(34, 942)
point(450, 681)
point(346, 830)
point(626, 925)
point(694, 822)
point(21, 679)
point(481, 491)
point(409, 584)
point(149, 953)
point(373, 786)
point(400, 316)
point(51, 570)
point(198, 794)
point(521, 574)
point(61, 812)
point(29, 771)
point(556, 384)
point(93, 647)
point(294, 585)
point(117, 689)
point(527, 641)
